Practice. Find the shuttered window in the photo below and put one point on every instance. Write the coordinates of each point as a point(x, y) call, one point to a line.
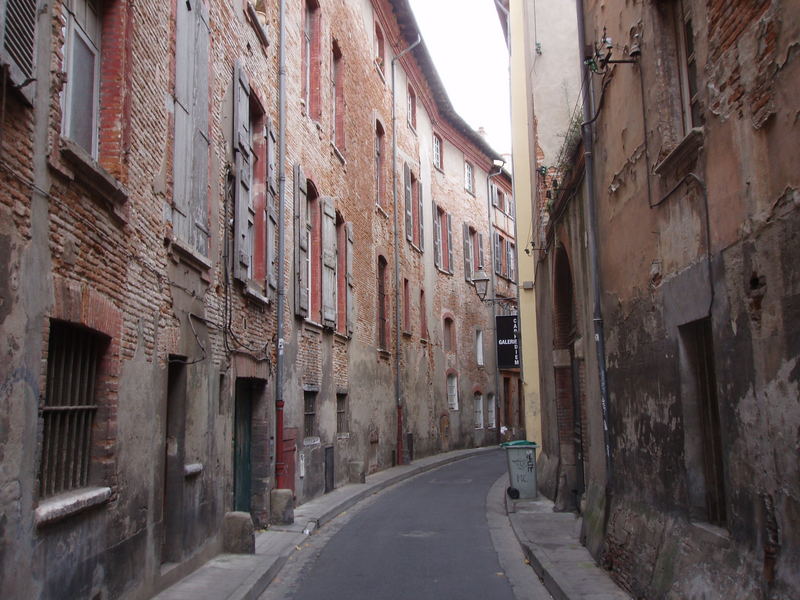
point(452, 391)
point(413, 208)
point(437, 151)
point(443, 239)
point(383, 305)
point(18, 37)
point(302, 228)
point(69, 407)
point(478, 410)
point(190, 156)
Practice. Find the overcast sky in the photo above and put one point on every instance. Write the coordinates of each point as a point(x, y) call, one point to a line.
point(466, 42)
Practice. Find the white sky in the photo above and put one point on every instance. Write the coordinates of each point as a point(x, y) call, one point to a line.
point(466, 42)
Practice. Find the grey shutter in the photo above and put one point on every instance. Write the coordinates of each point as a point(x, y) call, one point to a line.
point(467, 253)
point(351, 320)
point(409, 214)
point(18, 36)
point(272, 215)
point(437, 237)
point(493, 194)
point(301, 227)
point(480, 251)
point(498, 261)
point(182, 148)
point(200, 143)
point(449, 243)
point(244, 213)
point(421, 217)
point(328, 262)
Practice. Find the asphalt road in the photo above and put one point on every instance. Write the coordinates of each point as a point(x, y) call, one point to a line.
point(432, 537)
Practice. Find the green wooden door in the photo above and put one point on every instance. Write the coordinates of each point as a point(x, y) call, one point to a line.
point(241, 447)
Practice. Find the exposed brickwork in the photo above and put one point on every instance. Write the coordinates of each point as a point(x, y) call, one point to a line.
point(175, 319)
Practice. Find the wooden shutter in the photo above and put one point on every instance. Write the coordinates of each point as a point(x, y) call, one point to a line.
point(272, 210)
point(328, 262)
point(244, 213)
point(421, 223)
point(17, 47)
point(351, 320)
point(182, 154)
point(200, 142)
point(480, 251)
point(449, 243)
point(493, 194)
point(498, 260)
point(301, 229)
point(409, 200)
point(467, 253)
point(437, 237)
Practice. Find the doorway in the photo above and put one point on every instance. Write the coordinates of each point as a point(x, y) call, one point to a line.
point(242, 446)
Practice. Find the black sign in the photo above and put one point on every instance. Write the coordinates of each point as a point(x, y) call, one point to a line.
point(507, 328)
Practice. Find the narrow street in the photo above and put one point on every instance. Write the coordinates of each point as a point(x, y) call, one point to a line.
point(439, 535)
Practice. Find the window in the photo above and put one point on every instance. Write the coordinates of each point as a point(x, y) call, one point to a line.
point(380, 56)
point(323, 258)
point(473, 251)
point(337, 93)
point(478, 410)
point(452, 391)
point(413, 204)
point(469, 178)
point(341, 414)
point(18, 36)
point(309, 414)
point(423, 316)
point(479, 347)
point(254, 217)
point(342, 259)
point(511, 271)
point(380, 192)
point(687, 66)
point(437, 151)
point(69, 407)
point(190, 157)
point(491, 412)
point(314, 263)
point(703, 449)
point(311, 59)
point(412, 107)
point(448, 335)
point(383, 305)
point(406, 306)
point(442, 240)
point(82, 59)
point(504, 257)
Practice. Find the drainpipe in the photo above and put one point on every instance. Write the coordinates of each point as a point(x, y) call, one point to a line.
point(591, 212)
point(280, 467)
point(397, 391)
point(493, 303)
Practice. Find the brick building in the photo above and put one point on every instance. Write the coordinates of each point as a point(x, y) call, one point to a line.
point(671, 238)
point(167, 191)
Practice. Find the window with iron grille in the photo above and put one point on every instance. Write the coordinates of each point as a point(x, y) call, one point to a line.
point(341, 413)
point(69, 407)
point(309, 414)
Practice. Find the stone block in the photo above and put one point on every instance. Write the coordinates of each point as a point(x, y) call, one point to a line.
point(356, 472)
point(238, 533)
point(282, 502)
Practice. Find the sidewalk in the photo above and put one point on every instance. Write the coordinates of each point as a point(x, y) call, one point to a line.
point(550, 541)
point(246, 576)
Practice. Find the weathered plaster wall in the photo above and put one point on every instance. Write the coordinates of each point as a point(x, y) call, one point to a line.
point(738, 186)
